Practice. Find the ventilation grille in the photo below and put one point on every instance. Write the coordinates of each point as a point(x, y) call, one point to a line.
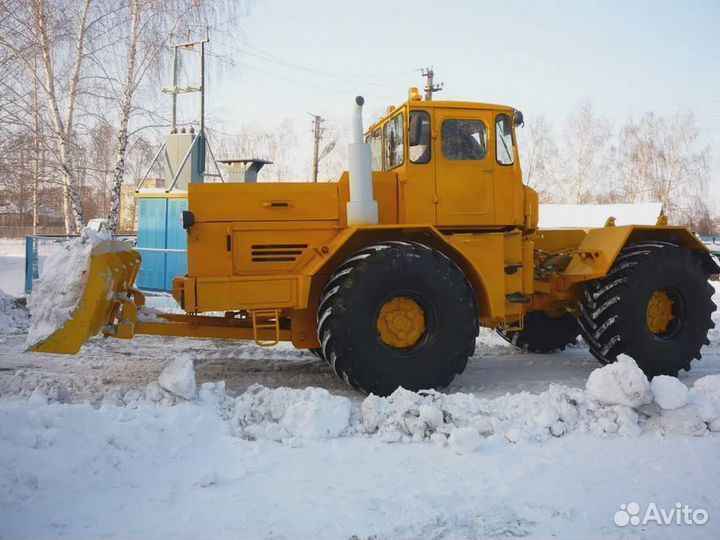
point(277, 252)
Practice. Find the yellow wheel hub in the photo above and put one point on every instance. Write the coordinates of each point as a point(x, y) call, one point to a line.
point(659, 312)
point(401, 322)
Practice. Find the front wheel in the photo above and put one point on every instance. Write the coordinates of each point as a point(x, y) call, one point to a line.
point(655, 305)
point(397, 314)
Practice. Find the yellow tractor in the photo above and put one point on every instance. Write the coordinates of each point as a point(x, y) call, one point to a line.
point(388, 273)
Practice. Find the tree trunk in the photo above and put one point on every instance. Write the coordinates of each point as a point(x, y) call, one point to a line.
point(126, 108)
point(72, 200)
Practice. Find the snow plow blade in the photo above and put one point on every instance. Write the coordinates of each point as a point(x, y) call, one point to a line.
point(113, 268)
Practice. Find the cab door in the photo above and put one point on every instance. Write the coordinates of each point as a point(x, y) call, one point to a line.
point(509, 194)
point(464, 168)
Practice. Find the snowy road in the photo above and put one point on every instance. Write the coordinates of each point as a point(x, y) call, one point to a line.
point(496, 367)
point(515, 447)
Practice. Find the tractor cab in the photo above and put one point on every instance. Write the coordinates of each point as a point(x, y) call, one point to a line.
point(462, 156)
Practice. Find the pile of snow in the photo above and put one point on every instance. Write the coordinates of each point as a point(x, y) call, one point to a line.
point(57, 292)
point(620, 383)
point(286, 413)
point(14, 315)
point(618, 401)
point(37, 387)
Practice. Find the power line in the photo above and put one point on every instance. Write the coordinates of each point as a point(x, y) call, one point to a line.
point(328, 73)
point(351, 78)
point(324, 88)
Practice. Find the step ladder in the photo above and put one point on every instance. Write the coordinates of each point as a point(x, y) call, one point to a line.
point(266, 319)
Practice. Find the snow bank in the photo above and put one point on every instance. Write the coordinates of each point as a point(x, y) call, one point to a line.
point(618, 402)
point(620, 383)
point(284, 413)
point(35, 386)
point(56, 293)
point(14, 315)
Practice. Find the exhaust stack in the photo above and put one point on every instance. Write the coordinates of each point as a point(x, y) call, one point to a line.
point(362, 208)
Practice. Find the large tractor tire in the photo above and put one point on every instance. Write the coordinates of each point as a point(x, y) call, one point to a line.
point(397, 314)
point(655, 305)
point(544, 333)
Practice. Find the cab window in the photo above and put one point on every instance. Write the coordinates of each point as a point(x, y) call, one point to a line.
point(419, 137)
point(375, 142)
point(464, 139)
point(394, 143)
point(504, 152)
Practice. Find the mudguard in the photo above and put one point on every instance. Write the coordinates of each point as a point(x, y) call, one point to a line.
point(600, 247)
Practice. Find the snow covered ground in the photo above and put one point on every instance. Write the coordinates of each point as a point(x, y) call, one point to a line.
point(12, 266)
point(100, 444)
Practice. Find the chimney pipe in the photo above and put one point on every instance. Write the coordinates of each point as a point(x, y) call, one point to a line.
point(362, 208)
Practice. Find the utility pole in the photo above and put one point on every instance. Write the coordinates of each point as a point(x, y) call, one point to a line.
point(317, 134)
point(36, 150)
point(430, 88)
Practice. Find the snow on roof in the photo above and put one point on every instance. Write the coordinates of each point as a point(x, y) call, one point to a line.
point(556, 216)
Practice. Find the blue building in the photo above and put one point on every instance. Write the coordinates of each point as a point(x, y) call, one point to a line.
point(161, 240)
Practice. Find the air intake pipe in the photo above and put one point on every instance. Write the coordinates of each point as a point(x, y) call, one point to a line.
point(362, 208)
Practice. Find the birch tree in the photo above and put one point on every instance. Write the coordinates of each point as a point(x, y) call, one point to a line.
point(125, 110)
point(151, 27)
point(584, 170)
point(72, 198)
point(30, 28)
point(539, 157)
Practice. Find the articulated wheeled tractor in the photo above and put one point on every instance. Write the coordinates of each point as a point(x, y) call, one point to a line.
point(388, 273)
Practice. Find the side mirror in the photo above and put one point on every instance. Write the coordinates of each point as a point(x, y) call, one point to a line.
point(518, 120)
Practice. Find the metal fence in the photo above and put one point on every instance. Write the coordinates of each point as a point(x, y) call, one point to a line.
point(17, 231)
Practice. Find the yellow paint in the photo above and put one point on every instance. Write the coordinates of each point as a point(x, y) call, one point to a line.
point(659, 312)
point(401, 322)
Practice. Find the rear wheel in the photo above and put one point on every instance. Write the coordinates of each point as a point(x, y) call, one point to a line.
point(397, 314)
point(655, 305)
point(544, 333)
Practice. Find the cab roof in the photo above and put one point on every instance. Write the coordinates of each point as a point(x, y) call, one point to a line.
point(420, 104)
point(456, 105)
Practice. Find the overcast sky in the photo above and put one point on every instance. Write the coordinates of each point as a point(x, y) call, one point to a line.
point(294, 57)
